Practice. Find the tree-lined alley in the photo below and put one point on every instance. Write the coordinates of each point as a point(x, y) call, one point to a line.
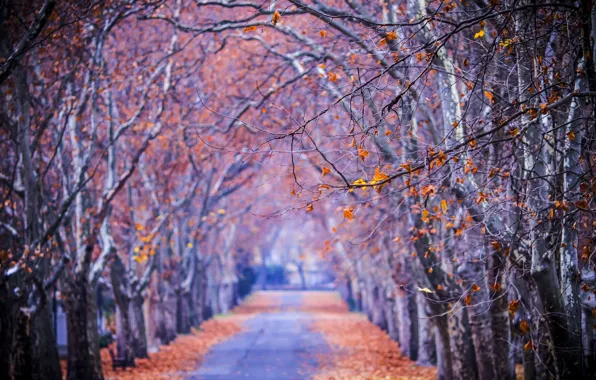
point(433, 159)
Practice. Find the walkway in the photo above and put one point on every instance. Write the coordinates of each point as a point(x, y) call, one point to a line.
point(276, 345)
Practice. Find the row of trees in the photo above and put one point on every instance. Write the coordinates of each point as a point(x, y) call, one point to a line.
point(445, 147)
point(470, 173)
point(106, 185)
point(460, 137)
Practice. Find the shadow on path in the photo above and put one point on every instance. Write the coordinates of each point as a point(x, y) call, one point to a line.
point(275, 345)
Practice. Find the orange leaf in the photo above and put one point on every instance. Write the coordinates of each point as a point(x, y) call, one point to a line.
point(349, 213)
point(490, 96)
point(362, 153)
point(275, 18)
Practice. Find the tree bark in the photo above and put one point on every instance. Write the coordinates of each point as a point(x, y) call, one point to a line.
point(500, 317)
point(462, 348)
point(138, 327)
point(443, 344)
point(121, 289)
point(426, 335)
point(84, 361)
point(183, 325)
point(45, 360)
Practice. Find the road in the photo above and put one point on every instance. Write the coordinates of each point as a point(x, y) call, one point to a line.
point(274, 345)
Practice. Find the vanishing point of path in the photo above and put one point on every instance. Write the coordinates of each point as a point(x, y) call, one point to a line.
point(275, 345)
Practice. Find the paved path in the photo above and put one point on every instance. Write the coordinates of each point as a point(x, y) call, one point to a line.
point(275, 345)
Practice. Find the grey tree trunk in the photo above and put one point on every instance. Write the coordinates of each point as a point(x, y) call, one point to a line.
point(84, 361)
point(443, 345)
point(139, 327)
point(121, 290)
point(427, 354)
point(45, 360)
point(462, 348)
point(500, 317)
point(479, 314)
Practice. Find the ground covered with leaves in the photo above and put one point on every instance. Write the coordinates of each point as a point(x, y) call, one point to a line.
point(358, 349)
point(184, 355)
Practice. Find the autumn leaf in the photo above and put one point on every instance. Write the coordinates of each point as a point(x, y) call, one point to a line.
point(325, 171)
point(333, 77)
point(378, 177)
point(490, 96)
point(323, 33)
point(349, 213)
point(391, 36)
point(513, 306)
point(425, 214)
point(189, 245)
point(480, 34)
point(406, 166)
point(529, 346)
point(571, 135)
point(362, 153)
point(139, 226)
point(358, 182)
point(468, 300)
point(309, 207)
point(275, 18)
point(444, 205)
point(475, 288)
point(139, 259)
point(524, 327)
point(251, 28)
point(581, 204)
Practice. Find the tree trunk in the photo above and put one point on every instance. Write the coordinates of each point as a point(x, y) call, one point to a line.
point(479, 315)
point(539, 340)
point(378, 307)
point(84, 361)
point(138, 327)
point(202, 300)
point(426, 335)
point(444, 353)
point(462, 348)
point(7, 330)
point(124, 340)
point(182, 313)
point(23, 366)
point(195, 310)
point(302, 277)
point(407, 313)
point(500, 318)
point(45, 360)
point(390, 316)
